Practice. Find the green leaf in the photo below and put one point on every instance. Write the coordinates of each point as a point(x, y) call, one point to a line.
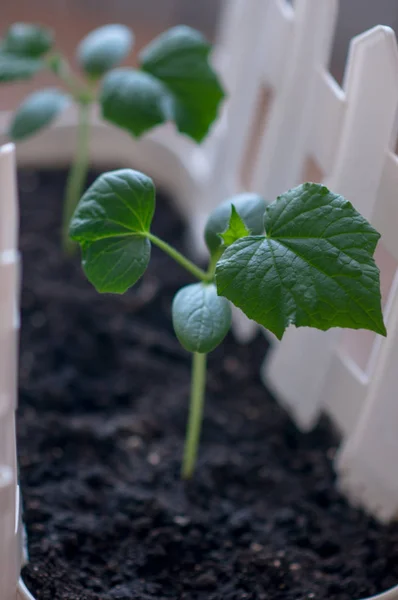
point(104, 48)
point(179, 58)
point(201, 319)
point(17, 68)
point(314, 266)
point(236, 229)
point(36, 111)
point(134, 100)
point(118, 203)
point(110, 223)
point(250, 207)
point(113, 265)
point(27, 40)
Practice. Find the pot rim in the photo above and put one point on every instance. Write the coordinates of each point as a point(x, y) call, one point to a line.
point(392, 594)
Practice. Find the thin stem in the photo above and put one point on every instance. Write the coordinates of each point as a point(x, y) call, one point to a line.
point(211, 271)
point(77, 175)
point(180, 258)
point(81, 92)
point(198, 384)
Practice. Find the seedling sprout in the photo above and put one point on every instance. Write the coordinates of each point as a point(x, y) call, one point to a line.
point(306, 260)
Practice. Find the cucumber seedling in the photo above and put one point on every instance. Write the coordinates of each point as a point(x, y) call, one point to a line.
point(306, 260)
point(174, 82)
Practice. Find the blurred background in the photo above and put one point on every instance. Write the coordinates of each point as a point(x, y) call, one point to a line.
point(72, 19)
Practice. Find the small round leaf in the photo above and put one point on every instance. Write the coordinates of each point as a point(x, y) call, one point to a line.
point(180, 59)
point(201, 319)
point(113, 265)
point(110, 223)
point(27, 40)
point(104, 48)
point(251, 209)
point(18, 68)
point(134, 100)
point(38, 110)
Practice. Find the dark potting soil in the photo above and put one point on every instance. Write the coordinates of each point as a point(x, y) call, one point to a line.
point(104, 391)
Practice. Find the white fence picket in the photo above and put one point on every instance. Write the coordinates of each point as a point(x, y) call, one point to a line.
point(284, 144)
point(367, 464)
point(8, 574)
point(245, 52)
point(10, 542)
point(8, 205)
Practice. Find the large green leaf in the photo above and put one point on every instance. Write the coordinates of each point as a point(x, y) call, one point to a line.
point(250, 207)
point(110, 223)
point(18, 68)
point(27, 40)
point(37, 111)
point(104, 48)
point(134, 100)
point(179, 58)
point(201, 319)
point(314, 266)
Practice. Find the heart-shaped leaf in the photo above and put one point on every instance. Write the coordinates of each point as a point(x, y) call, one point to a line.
point(110, 223)
point(104, 48)
point(134, 100)
point(179, 58)
point(249, 207)
point(201, 319)
point(27, 40)
point(18, 68)
point(314, 267)
point(36, 111)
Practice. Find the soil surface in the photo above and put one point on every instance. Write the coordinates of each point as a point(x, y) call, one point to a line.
point(103, 405)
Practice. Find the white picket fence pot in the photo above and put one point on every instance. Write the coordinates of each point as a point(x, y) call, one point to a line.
point(157, 155)
point(350, 132)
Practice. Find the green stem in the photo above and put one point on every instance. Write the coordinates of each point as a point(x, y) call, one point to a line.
point(211, 271)
point(180, 258)
point(198, 384)
point(81, 92)
point(77, 175)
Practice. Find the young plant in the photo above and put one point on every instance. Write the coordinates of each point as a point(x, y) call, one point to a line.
point(174, 82)
point(304, 260)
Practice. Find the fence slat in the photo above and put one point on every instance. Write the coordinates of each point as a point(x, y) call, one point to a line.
point(248, 60)
point(324, 132)
point(369, 118)
point(277, 33)
point(8, 207)
point(385, 218)
point(283, 148)
point(8, 572)
point(367, 464)
point(10, 551)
